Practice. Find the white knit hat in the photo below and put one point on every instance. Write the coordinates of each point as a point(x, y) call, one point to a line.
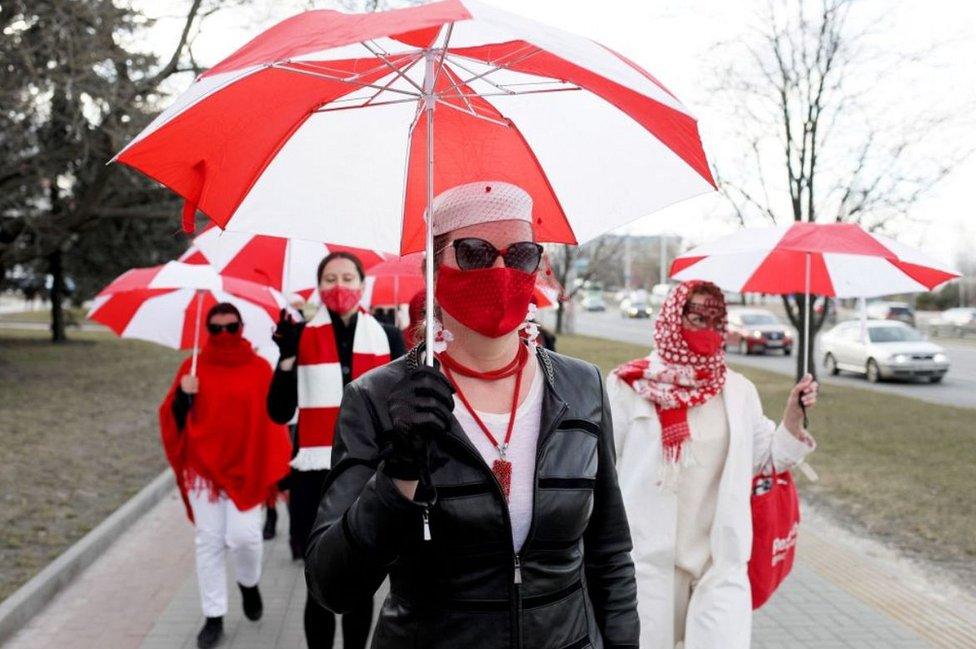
point(484, 201)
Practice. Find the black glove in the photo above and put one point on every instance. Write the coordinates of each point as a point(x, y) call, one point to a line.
point(420, 408)
point(286, 334)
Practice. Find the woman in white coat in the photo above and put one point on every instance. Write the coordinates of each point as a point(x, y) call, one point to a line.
point(690, 434)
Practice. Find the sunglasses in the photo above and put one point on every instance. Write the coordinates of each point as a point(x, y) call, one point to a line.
point(230, 327)
point(705, 315)
point(473, 254)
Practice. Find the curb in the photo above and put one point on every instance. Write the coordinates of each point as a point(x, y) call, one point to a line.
point(28, 600)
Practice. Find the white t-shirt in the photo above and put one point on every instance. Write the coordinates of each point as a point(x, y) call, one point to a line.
point(521, 451)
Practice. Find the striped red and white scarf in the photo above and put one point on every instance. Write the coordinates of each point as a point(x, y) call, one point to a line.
point(320, 381)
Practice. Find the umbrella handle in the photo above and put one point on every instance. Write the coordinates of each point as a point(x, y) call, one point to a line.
point(196, 335)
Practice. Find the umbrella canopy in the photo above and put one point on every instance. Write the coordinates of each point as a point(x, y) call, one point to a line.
point(287, 265)
point(163, 304)
point(829, 259)
point(326, 127)
point(844, 261)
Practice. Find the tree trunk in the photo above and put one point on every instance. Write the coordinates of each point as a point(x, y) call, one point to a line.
point(794, 310)
point(560, 310)
point(56, 268)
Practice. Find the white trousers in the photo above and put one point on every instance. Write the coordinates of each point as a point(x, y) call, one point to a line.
point(221, 526)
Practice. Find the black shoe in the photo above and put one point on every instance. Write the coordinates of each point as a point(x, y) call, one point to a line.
point(253, 606)
point(211, 633)
point(270, 523)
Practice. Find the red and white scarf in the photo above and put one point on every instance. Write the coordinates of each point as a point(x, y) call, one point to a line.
point(674, 378)
point(320, 381)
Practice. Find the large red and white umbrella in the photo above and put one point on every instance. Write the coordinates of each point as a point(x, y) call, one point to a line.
point(339, 127)
point(829, 259)
point(164, 304)
point(287, 265)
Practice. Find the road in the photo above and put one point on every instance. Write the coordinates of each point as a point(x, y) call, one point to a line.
point(957, 389)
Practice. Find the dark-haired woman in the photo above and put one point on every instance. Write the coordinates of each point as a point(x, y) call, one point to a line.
point(484, 488)
point(340, 343)
point(227, 456)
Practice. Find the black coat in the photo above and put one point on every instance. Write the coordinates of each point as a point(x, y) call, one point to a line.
point(572, 584)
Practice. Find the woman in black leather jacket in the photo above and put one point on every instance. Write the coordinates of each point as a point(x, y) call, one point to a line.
point(485, 489)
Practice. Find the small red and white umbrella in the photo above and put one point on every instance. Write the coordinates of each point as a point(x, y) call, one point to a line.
point(394, 281)
point(287, 265)
point(829, 259)
point(343, 127)
point(164, 304)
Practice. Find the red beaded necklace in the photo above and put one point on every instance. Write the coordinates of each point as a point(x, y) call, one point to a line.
point(501, 467)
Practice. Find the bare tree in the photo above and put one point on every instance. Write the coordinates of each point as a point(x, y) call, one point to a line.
point(75, 88)
point(809, 147)
point(574, 266)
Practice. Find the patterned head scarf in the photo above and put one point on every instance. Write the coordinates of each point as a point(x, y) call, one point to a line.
point(674, 378)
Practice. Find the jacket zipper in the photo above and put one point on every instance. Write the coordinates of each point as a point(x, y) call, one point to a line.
point(465, 443)
point(516, 610)
point(426, 523)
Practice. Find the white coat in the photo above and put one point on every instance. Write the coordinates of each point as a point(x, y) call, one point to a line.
point(720, 610)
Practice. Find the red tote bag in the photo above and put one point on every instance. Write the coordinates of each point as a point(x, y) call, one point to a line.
point(775, 523)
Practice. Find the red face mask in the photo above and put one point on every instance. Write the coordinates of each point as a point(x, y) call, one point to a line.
point(704, 342)
point(491, 301)
point(341, 299)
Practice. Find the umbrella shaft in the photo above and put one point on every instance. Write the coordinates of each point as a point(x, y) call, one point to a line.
point(429, 238)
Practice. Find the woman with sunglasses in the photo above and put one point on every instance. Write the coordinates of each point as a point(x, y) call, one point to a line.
point(690, 435)
point(483, 487)
point(341, 342)
point(228, 456)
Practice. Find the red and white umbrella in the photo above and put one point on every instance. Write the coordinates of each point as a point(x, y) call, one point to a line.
point(829, 259)
point(339, 127)
point(164, 304)
point(287, 265)
point(394, 281)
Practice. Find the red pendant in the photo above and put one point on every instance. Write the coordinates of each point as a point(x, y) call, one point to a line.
point(503, 471)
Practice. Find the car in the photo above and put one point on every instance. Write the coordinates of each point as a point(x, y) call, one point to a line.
point(593, 302)
point(891, 311)
point(635, 308)
point(889, 350)
point(955, 322)
point(757, 331)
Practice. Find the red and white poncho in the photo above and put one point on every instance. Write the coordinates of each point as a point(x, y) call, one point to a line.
point(320, 382)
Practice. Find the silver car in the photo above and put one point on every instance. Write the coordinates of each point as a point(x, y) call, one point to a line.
point(891, 350)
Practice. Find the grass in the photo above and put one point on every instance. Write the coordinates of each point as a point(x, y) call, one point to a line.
point(898, 468)
point(78, 437)
point(73, 316)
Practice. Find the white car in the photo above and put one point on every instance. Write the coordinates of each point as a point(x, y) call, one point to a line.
point(891, 350)
point(955, 322)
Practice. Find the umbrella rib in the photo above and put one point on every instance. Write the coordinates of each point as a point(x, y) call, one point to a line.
point(383, 56)
point(521, 92)
point(351, 81)
point(500, 64)
point(462, 95)
point(365, 105)
point(400, 74)
point(474, 114)
point(454, 61)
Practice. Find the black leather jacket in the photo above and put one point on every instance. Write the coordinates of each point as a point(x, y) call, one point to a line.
point(570, 587)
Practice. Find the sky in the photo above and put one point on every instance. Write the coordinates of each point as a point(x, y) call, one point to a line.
point(676, 41)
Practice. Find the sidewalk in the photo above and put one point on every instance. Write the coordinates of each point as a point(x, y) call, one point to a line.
point(142, 595)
